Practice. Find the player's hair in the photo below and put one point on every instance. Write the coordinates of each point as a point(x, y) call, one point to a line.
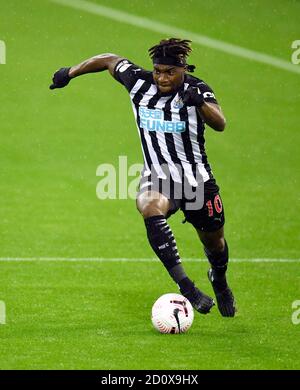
point(179, 49)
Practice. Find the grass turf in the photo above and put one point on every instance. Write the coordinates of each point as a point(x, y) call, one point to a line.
point(97, 316)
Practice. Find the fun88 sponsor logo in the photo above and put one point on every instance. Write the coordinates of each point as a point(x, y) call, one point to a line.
point(152, 120)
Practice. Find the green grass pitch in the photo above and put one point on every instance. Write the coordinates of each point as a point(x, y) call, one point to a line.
point(96, 315)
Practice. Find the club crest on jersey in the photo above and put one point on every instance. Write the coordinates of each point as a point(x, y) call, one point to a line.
point(178, 103)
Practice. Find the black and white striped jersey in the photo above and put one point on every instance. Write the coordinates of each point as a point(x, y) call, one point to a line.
point(170, 132)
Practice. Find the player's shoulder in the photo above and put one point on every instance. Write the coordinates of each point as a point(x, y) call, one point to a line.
point(207, 91)
point(195, 81)
point(136, 71)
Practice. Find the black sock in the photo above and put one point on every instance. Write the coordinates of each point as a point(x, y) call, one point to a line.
point(163, 243)
point(186, 285)
point(181, 279)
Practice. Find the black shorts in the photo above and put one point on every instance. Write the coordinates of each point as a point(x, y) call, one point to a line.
point(209, 218)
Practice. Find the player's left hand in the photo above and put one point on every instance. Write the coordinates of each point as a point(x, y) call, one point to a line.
point(193, 97)
point(61, 78)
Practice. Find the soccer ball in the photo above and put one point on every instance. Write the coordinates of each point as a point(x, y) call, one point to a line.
point(172, 313)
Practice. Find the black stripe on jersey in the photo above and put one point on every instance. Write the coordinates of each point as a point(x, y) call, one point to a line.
point(167, 109)
point(153, 101)
point(169, 136)
point(186, 140)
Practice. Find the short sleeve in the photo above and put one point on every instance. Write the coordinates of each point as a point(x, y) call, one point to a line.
point(127, 73)
point(208, 93)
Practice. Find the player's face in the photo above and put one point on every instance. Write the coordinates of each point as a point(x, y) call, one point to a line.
point(168, 78)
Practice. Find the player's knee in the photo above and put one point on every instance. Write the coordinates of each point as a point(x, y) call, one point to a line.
point(218, 255)
point(149, 206)
point(150, 209)
point(216, 245)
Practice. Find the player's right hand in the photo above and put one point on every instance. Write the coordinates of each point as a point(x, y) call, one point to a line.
point(60, 78)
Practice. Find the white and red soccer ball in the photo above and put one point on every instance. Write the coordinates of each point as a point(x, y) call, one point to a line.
point(172, 313)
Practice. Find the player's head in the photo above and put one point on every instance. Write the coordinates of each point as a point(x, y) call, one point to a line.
point(169, 63)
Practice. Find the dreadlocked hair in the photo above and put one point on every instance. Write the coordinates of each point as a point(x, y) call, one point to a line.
point(173, 47)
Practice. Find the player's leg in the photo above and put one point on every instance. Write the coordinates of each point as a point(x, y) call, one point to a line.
point(155, 208)
point(209, 224)
point(216, 249)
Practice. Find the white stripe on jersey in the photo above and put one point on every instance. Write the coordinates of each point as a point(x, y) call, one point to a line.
point(136, 87)
point(134, 90)
point(193, 132)
point(176, 176)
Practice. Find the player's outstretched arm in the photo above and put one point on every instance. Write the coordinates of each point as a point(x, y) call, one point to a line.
point(98, 63)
